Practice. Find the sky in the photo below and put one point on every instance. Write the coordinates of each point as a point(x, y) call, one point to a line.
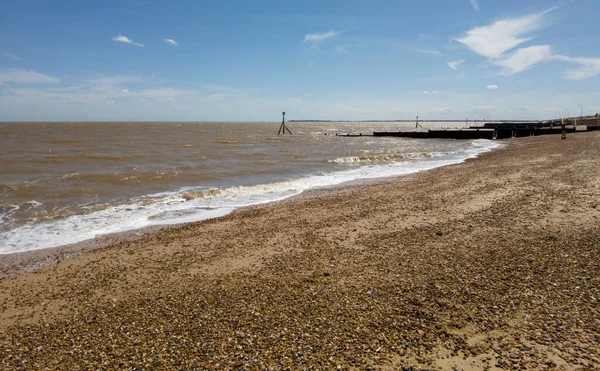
point(155, 60)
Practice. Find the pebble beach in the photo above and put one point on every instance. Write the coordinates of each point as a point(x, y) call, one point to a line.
point(491, 264)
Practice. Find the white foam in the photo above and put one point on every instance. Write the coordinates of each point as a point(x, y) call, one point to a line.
point(172, 208)
point(34, 203)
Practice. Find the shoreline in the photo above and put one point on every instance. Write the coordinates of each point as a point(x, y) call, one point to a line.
point(488, 264)
point(30, 260)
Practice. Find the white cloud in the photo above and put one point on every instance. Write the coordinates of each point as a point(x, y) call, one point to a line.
point(494, 40)
point(1, 83)
point(454, 64)
point(492, 87)
point(430, 92)
point(110, 102)
point(26, 77)
point(171, 41)
point(475, 5)
point(524, 58)
point(316, 37)
point(588, 67)
point(125, 39)
point(11, 56)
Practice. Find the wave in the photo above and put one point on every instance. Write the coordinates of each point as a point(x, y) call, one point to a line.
point(123, 178)
point(386, 157)
point(199, 203)
point(92, 156)
point(228, 141)
point(200, 194)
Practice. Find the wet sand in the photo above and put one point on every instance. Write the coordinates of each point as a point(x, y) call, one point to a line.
point(489, 264)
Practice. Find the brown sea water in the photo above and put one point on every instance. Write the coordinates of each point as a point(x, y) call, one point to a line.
point(66, 182)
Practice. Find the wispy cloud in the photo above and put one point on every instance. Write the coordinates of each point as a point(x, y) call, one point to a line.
point(588, 67)
point(454, 64)
point(11, 56)
point(492, 86)
point(115, 84)
point(171, 41)
point(345, 49)
point(429, 51)
point(523, 58)
point(342, 49)
point(494, 40)
point(409, 48)
point(426, 92)
point(26, 77)
point(475, 5)
point(316, 37)
point(126, 40)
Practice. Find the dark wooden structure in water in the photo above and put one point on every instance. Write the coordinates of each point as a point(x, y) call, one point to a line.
point(487, 131)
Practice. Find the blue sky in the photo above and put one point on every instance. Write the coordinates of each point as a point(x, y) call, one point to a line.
point(249, 60)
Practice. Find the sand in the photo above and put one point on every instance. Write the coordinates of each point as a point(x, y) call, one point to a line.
point(489, 264)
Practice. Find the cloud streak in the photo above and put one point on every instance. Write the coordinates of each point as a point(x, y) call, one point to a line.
point(454, 64)
point(494, 40)
point(492, 87)
point(11, 56)
point(475, 5)
point(26, 77)
point(588, 67)
point(126, 40)
point(523, 59)
point(171, 41)
point(316, 37)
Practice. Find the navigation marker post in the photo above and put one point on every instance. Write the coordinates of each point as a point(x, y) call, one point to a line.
point(283, 128)
point(417, 123)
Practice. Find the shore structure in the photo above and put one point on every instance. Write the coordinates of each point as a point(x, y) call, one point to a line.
point(489, 264)
point(499, 130)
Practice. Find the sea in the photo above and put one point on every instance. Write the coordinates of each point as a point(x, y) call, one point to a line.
point(66, 182)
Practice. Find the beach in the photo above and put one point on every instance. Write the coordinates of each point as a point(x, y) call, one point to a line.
point(492, 263)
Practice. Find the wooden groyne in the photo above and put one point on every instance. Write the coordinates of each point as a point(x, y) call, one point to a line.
point(492, 130)
point(475, 133)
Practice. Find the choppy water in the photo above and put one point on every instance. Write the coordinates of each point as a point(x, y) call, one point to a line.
point(62, 183)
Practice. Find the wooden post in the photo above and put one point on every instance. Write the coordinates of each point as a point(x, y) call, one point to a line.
point(283, 128)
